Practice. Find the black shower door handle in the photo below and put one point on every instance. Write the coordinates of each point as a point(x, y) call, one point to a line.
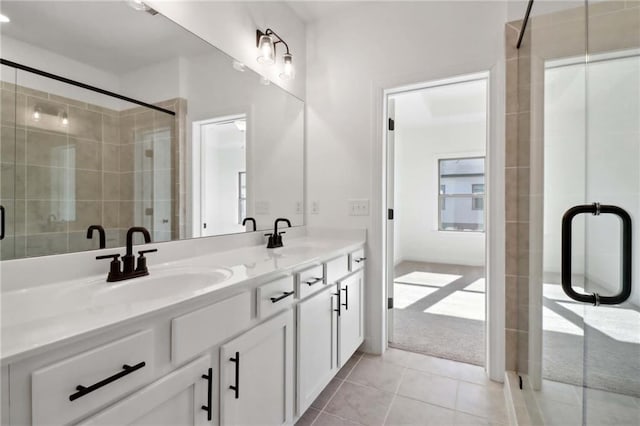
point(2, 212)
point(596, 209)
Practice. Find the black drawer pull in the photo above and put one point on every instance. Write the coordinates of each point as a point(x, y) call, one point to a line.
point(337, 310)
point(236, 388)
point(284, 296)
point(313, 281)
point(360, 259)
point(209, 377)
point(126, 369)
point(346, 297)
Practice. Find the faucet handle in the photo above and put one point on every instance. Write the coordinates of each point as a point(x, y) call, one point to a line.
point(143, 252)
point(283, 232)
point(108, 256)
point(114, 269)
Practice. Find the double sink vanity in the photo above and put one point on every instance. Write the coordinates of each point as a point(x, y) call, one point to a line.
point(240, 334)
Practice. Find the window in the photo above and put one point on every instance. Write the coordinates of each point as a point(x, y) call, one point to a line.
point(461, 195)
point(478, 201)
point(242, 196)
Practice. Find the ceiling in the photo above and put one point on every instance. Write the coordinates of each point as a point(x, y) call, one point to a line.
point(84, 31)
point(447, 104)
point(311, 11)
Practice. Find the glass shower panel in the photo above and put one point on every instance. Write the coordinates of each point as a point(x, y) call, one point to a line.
point(612, 158)
point(579, 119)
point(11, 153)
point(91, 159)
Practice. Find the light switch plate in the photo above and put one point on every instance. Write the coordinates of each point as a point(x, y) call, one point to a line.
point(359, 207)
point(315, 207)
point(299, 207)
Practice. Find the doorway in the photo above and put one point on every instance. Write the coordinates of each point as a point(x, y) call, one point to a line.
point(220, 177)
point(436, 180)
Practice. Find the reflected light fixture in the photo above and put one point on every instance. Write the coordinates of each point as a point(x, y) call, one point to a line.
point(37, 113)
point(4, 19)
point(64, 119)
point(266, 43)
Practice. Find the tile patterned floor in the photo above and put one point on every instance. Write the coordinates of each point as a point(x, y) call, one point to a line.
point(406, 388)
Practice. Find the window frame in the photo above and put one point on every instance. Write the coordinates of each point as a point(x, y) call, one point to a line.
point(441, 201)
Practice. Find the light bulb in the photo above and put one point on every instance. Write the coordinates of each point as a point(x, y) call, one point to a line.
point(65, 119)
point(36, 114)
point(287, 72)
point(267, 50)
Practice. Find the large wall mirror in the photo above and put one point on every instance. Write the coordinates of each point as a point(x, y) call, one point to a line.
point(195, 144)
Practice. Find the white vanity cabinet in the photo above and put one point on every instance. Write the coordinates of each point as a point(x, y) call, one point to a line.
point(256, 375)
point(317, 337)
point(181, 398)
point(350, 320)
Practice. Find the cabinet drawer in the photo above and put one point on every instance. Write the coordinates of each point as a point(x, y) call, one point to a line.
point(91, 379)
point(275, 296)
point(356, 260)
point(337, 268)
point(197, 331)
point(310, 280)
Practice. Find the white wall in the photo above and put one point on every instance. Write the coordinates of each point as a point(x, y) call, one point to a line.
point(224, 156)
point(231, 26)
point(349, 65)
point(450, 128)
point(28, 54)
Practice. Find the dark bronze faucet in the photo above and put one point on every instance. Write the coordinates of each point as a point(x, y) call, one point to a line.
point(100, 229)
point(275, 239)
point(249, 219)
point(129, 269)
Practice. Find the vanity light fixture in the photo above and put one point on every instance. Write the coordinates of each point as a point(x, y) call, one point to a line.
point(266, 43)
point(4, 19)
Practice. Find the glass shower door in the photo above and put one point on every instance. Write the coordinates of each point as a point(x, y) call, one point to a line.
point(611, 388)
point(582, 66)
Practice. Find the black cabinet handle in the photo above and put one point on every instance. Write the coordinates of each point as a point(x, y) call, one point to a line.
point(360, 259)
point(126, 369)
point(313, 281)
point(337, 310)
point(346, 297)
point(596, 209)
point(236, 388)
point(284, 296)
point(2, 212)
point(209, 378)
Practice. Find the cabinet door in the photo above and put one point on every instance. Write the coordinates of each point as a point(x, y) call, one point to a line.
point(351, 315)
point(179, 398)
point(256, 375)
point(317, 345)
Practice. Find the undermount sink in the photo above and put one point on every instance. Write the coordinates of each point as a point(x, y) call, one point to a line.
point(39, 303)
point(158, 285)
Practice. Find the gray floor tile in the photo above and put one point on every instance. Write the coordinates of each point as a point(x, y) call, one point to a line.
point(360, 403)
point(482, 401)
point(375, 373)
point(429, 388)
point(405, 411)
point(308, 417)
point(325, 419)
point(348, 366)
point(326, 395)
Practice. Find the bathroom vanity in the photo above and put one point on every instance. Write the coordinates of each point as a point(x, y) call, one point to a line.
point(236, 335)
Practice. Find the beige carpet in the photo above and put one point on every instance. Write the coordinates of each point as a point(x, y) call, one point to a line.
point(439, 311)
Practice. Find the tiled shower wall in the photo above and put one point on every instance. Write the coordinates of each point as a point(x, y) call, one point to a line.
point(96, 152)
point(611, 26)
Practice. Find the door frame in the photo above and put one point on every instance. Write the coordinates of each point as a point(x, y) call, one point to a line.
point(494, 214)
point(198, 158)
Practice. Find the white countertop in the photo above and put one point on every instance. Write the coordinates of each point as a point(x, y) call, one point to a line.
point(36, 318)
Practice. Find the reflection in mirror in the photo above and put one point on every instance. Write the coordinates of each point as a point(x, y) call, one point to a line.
point(190, 145)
